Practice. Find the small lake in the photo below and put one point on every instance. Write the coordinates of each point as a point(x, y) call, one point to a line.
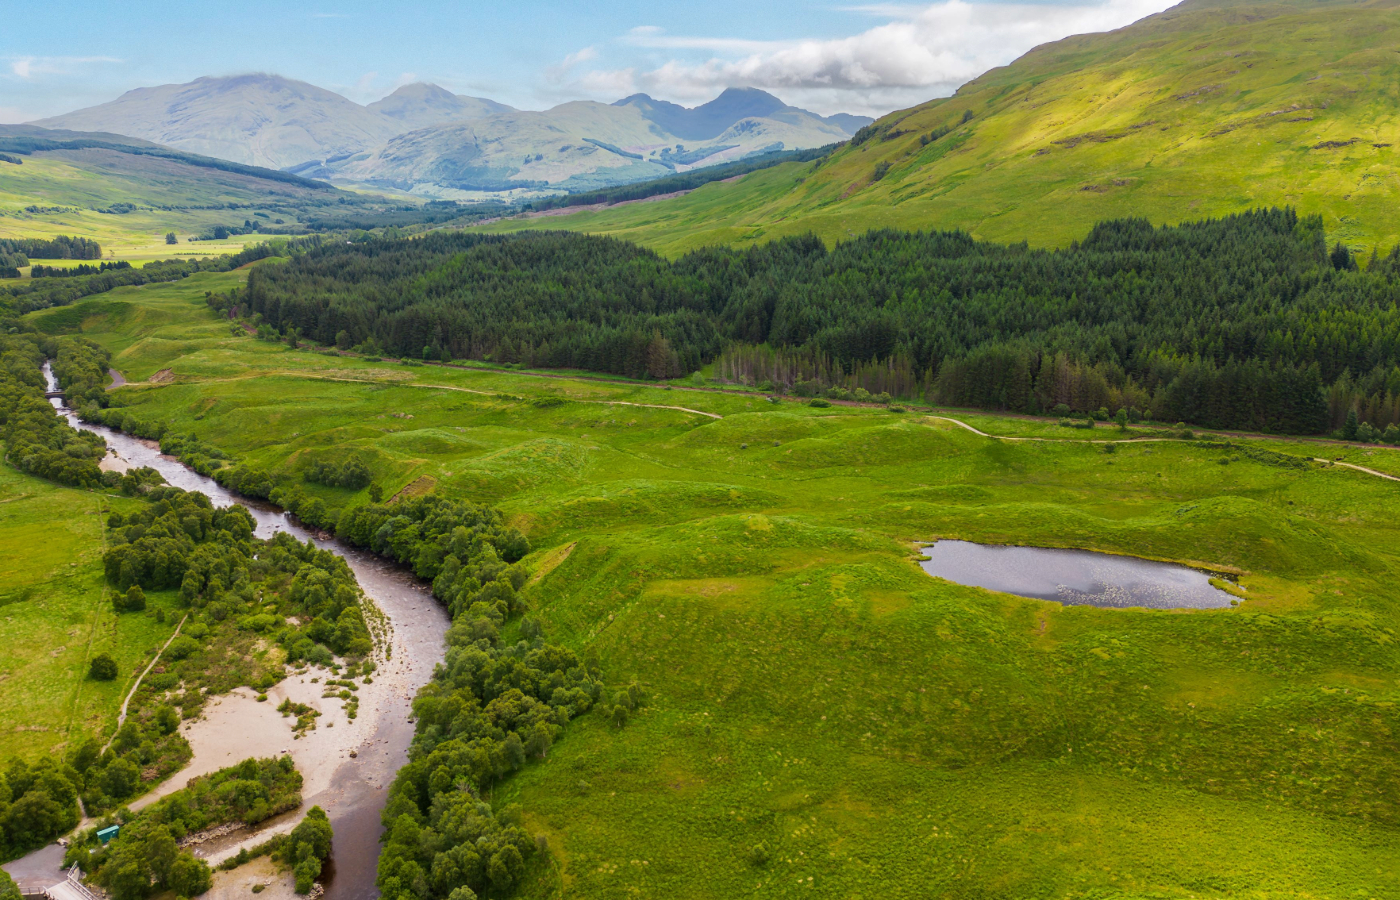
point(1074, 577)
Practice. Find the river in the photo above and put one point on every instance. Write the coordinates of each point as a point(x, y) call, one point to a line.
point(352, 790)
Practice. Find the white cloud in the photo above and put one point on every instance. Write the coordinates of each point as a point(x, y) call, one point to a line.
point(921, 52)
point(31, 67)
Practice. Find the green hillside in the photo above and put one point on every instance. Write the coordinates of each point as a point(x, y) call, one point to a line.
point(1206, 109)
point(127, 194)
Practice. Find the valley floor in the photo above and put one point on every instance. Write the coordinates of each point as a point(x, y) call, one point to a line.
point(824, 719)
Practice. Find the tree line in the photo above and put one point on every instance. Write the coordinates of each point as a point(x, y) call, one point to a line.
point(28, 296)
point(492, 705)
point(17, 252)
point(145, 857)
point(1248, 321)
point(38, 271)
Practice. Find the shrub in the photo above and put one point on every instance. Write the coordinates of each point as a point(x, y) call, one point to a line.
point(819, 403)
point(181, 647)
point(133, 601)
point(102, 667)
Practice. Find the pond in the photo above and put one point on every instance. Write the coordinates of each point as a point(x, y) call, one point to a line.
point(1074, 577)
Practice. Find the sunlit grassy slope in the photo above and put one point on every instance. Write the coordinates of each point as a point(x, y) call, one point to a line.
point(1205, 109)
point(77, 191)
point(876, 733)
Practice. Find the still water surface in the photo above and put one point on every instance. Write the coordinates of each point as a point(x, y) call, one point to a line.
point(1076, 577)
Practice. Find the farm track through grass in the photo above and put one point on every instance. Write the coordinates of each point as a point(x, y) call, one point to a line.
point(824, 718)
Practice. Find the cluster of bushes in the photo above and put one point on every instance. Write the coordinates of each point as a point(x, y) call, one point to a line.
point(37, 440)
point(312, 511)
point(179, 540)
point(38, 271)
point(352, 474)
point(1366, 433)
point(424, 533)
point(82, 369)
point(814, 388)
point(305, 849)
point(38, 802)
point(146, 749)
point(246, 480)
point(145, 858)
point(489, 708)
point(322, 592)
point(203, 458)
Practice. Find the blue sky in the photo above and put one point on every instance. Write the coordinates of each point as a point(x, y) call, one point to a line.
point(863, 58)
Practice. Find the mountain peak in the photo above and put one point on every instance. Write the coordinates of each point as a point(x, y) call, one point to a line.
point(709, 120)
point(421, 90)
point(423, 105)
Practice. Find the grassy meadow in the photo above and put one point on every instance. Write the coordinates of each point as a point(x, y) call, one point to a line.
point(823, 718)
point(55, 615)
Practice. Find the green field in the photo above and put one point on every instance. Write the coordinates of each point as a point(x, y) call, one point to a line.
point(1206, 109)
point(812, 693)
point(70, 192)
point(55, 615)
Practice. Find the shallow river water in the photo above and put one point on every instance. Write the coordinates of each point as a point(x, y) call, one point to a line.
point(1076, 577)
point(353, 791)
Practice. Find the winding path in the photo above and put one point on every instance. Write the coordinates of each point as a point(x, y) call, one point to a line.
point(1347, 465)
point(699, 412)
point(121, 717)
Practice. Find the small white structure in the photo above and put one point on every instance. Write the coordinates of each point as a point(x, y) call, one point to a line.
point(71, 888)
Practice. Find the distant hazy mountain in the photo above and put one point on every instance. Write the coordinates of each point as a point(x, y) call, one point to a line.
point(709, 120)
point(584, 145)
point(263, 120)
point(422, 105)
point(427, 140)
point(268, 120)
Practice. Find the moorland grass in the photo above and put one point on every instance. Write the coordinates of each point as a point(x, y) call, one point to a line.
point(823, 717)
point(55, 615)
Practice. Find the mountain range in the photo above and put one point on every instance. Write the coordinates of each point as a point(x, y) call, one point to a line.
point(425, 140)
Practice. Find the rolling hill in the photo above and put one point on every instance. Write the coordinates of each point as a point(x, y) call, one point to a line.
point(128, 194)
point(1208, 108)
